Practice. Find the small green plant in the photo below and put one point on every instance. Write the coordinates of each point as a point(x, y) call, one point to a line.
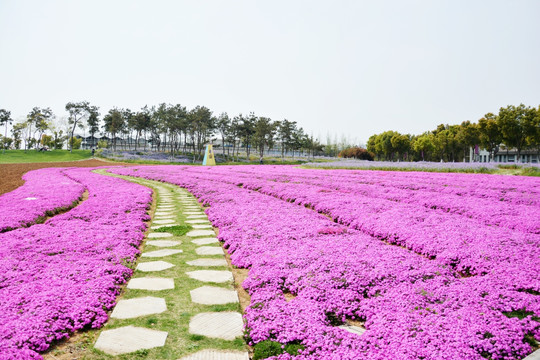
point(294, 348)
point(177, 230)
point(265, 349)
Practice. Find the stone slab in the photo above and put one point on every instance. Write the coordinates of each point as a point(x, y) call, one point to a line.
point(151, 283)
point(353, 329)
point(154, 266)
point(161, 253)
point(164, 243)
point(211, 295)
point(222, 325)
point(209, 250)
point(129, 339)
point(201, 226)
point(161, 217)
point(158, 235)
point(215, 276)
point(205, 241)
point(534, 356)
point(192, 212)
point(132, 308)
point(210, 354)
point(160, 222)
point(165, 207)
point(197, 221)
point(163, 213)
point(189, 208)
point(196, 233)
point(199, 216)
point(207, 262)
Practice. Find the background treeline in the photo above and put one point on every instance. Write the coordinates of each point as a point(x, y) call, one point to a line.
point(514, 127)
point(169, 128)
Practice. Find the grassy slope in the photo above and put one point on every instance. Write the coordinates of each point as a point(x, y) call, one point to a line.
point(34, 156)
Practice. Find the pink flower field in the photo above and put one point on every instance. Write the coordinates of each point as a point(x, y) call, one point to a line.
point(431, 266)
point(435, 266)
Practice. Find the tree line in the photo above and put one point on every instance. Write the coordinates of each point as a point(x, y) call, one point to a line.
point(514, 127)
point(165, 127)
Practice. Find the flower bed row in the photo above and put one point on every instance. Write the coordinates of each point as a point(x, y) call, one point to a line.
point(64, 275)
point(412, 307)
point(45, 192)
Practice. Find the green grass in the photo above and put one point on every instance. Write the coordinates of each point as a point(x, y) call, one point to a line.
point(34, 156)
point(180, 308)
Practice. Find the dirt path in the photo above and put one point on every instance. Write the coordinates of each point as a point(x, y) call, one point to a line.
point(11, 174)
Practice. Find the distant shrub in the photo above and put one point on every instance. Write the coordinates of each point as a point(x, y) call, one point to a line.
point(357, 153)
point(75, 143)
point(102, 144)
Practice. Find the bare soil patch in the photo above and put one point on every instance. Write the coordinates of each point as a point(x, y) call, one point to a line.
point(11, 174)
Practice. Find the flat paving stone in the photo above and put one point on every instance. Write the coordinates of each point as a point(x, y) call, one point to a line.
point(211, 295)
point(207, 262)
point(222, 325)
point(192, 208)
point(201, 226)
point(163, 213)
point(154, 266)
point(210, 354)
point(197, 221)
point(205, 241)
point(165, 207)
point(151, 283)
point(196, 233)
point(534, 356)
point(129, 339)
point(164, 243)
point(167, 221)
point(161, 217)
point(215, 276)
point(192, 212)
point(158, 235)
point(201, 216)
point(132, 308)
point(353, 329)
point(209, 250)
point(161, 253)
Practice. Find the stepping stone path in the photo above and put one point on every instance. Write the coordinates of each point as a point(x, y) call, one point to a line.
point(163, 243)
point(154, 266)
point(132, 308)
point(215, 276)
point(209, 250)
point(217, 355)
point(129, 339)
point(210, 295)
point(151, 283)
point(197, 221)
point(157, 235)
point(223, 325)
point(208, 262)
point(353, 329)
point(205, 241)
point(196, 233)
point(161, 253)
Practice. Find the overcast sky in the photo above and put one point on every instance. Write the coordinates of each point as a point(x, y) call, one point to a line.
point(341, 67)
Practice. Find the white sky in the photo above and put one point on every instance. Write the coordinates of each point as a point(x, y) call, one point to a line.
point(345, 67)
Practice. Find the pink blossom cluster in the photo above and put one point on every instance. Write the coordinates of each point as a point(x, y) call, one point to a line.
point(64, 275)
point(426, 283)
point(44, 192)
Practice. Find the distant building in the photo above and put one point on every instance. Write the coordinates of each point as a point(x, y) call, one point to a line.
point(505, 155)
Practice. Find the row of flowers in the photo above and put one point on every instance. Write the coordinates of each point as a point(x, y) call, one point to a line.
point(44, 192)
point(64, 275)
point(308, 274)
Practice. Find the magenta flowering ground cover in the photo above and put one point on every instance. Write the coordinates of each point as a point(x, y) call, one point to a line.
point(44, 192)
point(63, 275)
point(427, 282)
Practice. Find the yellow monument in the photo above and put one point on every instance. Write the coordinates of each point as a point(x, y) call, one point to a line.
point(209, 158)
